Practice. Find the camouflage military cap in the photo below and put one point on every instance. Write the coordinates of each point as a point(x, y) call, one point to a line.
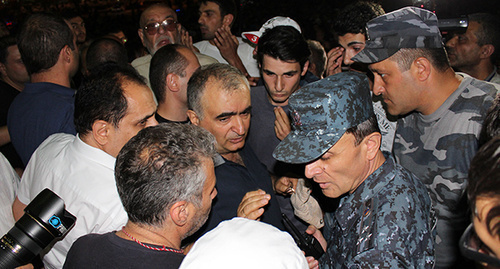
point(321, 113)
point(409, 27)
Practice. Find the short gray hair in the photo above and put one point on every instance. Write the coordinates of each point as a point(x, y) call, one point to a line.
point(227, 76)
point(160, 166)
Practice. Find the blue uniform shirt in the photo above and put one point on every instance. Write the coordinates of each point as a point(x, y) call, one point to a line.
point(387, 222)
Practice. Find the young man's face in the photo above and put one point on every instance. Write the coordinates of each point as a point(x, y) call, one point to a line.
point(281, 79)
point(78, 26)
point(154, 40)
point(352, 44)
point(341, 169)
point(490, 239)
point(14, 68)
point(210, 20)
point(395, 87)
point(463, 50)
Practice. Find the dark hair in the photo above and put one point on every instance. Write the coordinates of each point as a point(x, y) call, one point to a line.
point(225, 7)
point(5, 43)
point(101, 96)
point(41, 38)
point(364, 129)
point(160, 166)
point(318, 57)
point(352, 19)
point(489, 32)
point(105, 50)
point(491, 123)
point(284, 43)
point(166, 60)
point(437, 56)
point(69, 14)
point(228, 77)
point(484, 180)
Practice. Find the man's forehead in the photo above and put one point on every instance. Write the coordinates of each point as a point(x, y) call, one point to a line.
point(209, 6)
point(156, 14)
point(76, 19)
point(273, 64)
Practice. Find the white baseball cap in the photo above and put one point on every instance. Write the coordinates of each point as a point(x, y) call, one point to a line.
point(271, 23)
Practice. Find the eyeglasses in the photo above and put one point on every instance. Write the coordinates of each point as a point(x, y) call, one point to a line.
point(473, 248)
point(167, 25)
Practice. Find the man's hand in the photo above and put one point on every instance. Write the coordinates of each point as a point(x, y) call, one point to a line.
point(313, 263)
point(252, 81)
point(227, 44)
point(282, 125)
point(252, 203)
point(318, 235)
point(285, 185)
point(334, 62)
point(186, 39)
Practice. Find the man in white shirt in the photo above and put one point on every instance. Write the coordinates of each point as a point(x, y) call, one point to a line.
point(110, 108)
point(216, 19)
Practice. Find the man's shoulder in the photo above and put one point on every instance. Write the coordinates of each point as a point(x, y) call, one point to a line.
point(202, 45)
point(143, 60)
point(474, 87)
point(54, 143)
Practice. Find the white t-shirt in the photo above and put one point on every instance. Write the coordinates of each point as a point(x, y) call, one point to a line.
point(8, 187)
point(83, 176)
point(245, 51)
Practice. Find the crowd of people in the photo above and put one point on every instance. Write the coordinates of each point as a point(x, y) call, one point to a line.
point(384, 149)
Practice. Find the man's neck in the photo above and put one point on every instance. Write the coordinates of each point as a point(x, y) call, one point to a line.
point(150, 235)
point(234, 157)
point(51, 77)
point(172, 111)
point(480, 71)
point(435, 93)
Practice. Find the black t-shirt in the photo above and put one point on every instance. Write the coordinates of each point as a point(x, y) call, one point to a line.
point(7, 95)
point(110, 251)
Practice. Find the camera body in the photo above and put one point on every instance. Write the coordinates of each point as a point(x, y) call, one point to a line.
point(44, 221)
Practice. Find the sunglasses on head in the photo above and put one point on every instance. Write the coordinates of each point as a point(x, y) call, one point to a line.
point(167, 25)
point(473, 248)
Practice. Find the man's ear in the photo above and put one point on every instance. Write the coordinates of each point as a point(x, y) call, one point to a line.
point(193, 117)
point(304, 69)
point(179, 213)
point(372, 143)
point(486, 51)
point(172, 82)
point(228, 20)
point(421, 68)
point(3, 70)
point(66, 53)
point(140, 32)
point(101, 132)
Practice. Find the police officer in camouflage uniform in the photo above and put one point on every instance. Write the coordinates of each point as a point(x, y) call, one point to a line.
point(441, 113)
point(385, 217)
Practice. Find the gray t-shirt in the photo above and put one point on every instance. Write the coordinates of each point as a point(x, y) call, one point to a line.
point(438, 149)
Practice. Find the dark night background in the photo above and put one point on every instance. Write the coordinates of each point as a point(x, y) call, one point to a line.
point(314, 16)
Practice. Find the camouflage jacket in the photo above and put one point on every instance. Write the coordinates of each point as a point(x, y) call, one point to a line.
point(438, 149)
point(386, 223)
